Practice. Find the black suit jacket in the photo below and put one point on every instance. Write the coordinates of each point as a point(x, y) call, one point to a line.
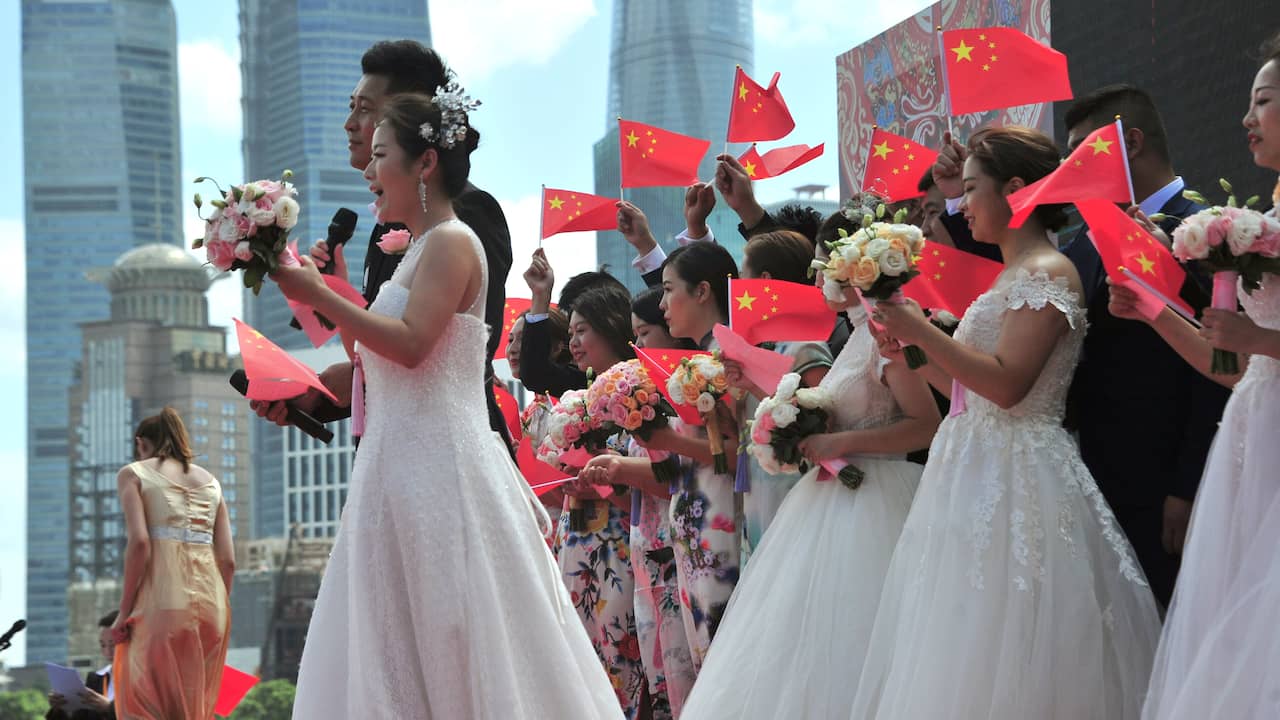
point(484, 215)
point(1145, 417)
point(96, 683)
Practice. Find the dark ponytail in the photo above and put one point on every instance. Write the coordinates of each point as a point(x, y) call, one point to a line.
point(169, 436)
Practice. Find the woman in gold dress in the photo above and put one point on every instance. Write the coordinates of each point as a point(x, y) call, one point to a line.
point(174, 620)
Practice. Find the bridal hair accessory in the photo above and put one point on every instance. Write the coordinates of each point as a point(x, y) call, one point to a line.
point(454, 104)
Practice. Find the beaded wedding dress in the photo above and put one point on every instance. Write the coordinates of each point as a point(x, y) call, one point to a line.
point(441, 599)
point(796, 630)
point(1220, 653)
point(1012, 592)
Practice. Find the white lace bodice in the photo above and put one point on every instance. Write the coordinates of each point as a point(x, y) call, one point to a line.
point(450, 381)
point(1263, 307)
point(981, 325)
point(854, 383)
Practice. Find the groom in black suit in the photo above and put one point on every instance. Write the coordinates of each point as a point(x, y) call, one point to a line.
point(388, 68)
point(1145, 418)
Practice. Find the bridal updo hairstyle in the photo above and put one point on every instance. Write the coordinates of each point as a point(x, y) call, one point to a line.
point(1012, 152)
point(168, 436)
point(406, 113)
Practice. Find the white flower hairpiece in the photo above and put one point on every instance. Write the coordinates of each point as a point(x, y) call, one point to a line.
point(454, 105)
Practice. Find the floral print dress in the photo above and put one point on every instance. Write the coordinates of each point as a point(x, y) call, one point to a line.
point(596, 567)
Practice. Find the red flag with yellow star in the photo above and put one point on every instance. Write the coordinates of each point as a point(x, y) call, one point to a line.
point(509, 408)
point(1123, 243)
point(895, 166)
point(569, 211)
point(535, 471)
point(778, 311)
point(757, 113)
point(950, 279)
point(995, 67)
point(515, 307)
point(273, 373)
point(777, 161)
point(653, 157)
point(660, 363)
point(1098, 168)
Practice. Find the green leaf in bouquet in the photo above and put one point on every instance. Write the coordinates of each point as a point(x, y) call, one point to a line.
point(1226, 186)
point(198, 201)
point(237, 193)
point(1195, 197)
point(286, 174)
point(880, 211)
point(1157, 217)
point(900, 216)
point(1253, 200)
point(197, 243)
point(220, 204)
point(253, 275)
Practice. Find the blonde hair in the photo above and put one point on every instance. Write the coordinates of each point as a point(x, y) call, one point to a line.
point(168, 435)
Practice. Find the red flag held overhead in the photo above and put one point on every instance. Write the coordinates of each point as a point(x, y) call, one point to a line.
point(1097, 168)
point(895, 166)
point(570, 211)
point(777, 161)
point(757, 113)
point(996, 67)
point(653, 157)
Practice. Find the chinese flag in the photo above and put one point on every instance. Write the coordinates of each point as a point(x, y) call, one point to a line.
point(950, 279)
point(775, 311)
point(653, 157)
point(235, 685)
point(273, 373)
point(757, 113)
point(777, 161)
point(895, 166)
point(1099, 168)
point(515, 307)
point(993, 68)
point(534, 470)
point(569, 211)
point(660, 363)
point(509, 407)
point(1123, 243)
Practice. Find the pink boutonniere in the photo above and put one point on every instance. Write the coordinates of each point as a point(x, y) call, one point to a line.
point(394, 242)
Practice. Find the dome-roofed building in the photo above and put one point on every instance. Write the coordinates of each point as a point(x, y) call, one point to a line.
point(158, 283)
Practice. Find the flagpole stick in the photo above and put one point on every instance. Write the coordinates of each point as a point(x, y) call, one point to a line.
point(946, 82)
point(1160, 296)
point(620, 183)
point(730, 302)
point(542, 215)
point(1124, 154)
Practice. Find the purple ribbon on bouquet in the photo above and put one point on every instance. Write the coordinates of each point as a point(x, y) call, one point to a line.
point(958, 404)
point(357, 396)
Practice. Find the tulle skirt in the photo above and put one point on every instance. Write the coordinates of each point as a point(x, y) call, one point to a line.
point(797, 627)
point(1219, 656)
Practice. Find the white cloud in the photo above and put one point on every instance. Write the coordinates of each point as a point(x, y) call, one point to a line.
point(810, 23)
point(569, 253)
point(482, 36)
point(210, 87)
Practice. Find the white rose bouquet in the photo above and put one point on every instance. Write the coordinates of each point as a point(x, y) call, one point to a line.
point(700, 381)
point(877, 259)
point(249, 227)
point(1239, 244)
point(573, 437)
point(784, 420)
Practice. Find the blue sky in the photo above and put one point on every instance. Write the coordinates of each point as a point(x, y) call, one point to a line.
point(541, 71)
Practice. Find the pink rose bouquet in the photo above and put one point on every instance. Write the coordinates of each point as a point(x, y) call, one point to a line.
point(1239, 244)
point(249, 227)
point(626, 399)
point(573, 436)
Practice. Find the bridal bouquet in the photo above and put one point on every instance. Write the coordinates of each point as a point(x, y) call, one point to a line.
point(1237, 243)
point(626, 399)
point(784, 420)
point(573, 437)
point(249, 227)
point(700, 382)
point(878, 259)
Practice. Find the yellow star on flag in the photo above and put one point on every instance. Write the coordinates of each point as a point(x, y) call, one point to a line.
point(742, 91)
point(882, 150)
point(632, 138)
point(1148, 266)
point(963, 52)
point(1101, 146)
point(750, 168)
point(556, 203)
point(744, 302)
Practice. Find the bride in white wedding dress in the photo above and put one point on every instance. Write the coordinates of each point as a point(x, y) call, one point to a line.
point(1012, 592)
point(441, 599)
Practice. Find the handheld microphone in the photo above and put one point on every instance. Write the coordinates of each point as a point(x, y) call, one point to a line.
point(341, 227)
point(296, 417)
point(18, 627)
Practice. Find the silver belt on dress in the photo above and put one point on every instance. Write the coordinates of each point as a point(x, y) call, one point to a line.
point(186, 535)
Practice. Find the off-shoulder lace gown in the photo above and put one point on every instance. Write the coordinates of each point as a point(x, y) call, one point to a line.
point(1012, 592)
point(796, 630)
point(1220, 653)
point(441, 599)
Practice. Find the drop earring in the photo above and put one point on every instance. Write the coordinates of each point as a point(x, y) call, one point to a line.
point(422, 194)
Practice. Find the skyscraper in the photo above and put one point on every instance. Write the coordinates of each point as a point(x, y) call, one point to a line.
point(100, 128)
point(671, 65)
point(300, 60)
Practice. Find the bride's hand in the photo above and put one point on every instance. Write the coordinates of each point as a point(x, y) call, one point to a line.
point(302, 283)
point(823, 446)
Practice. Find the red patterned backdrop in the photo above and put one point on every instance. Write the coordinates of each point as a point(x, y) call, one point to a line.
point(894, 80)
